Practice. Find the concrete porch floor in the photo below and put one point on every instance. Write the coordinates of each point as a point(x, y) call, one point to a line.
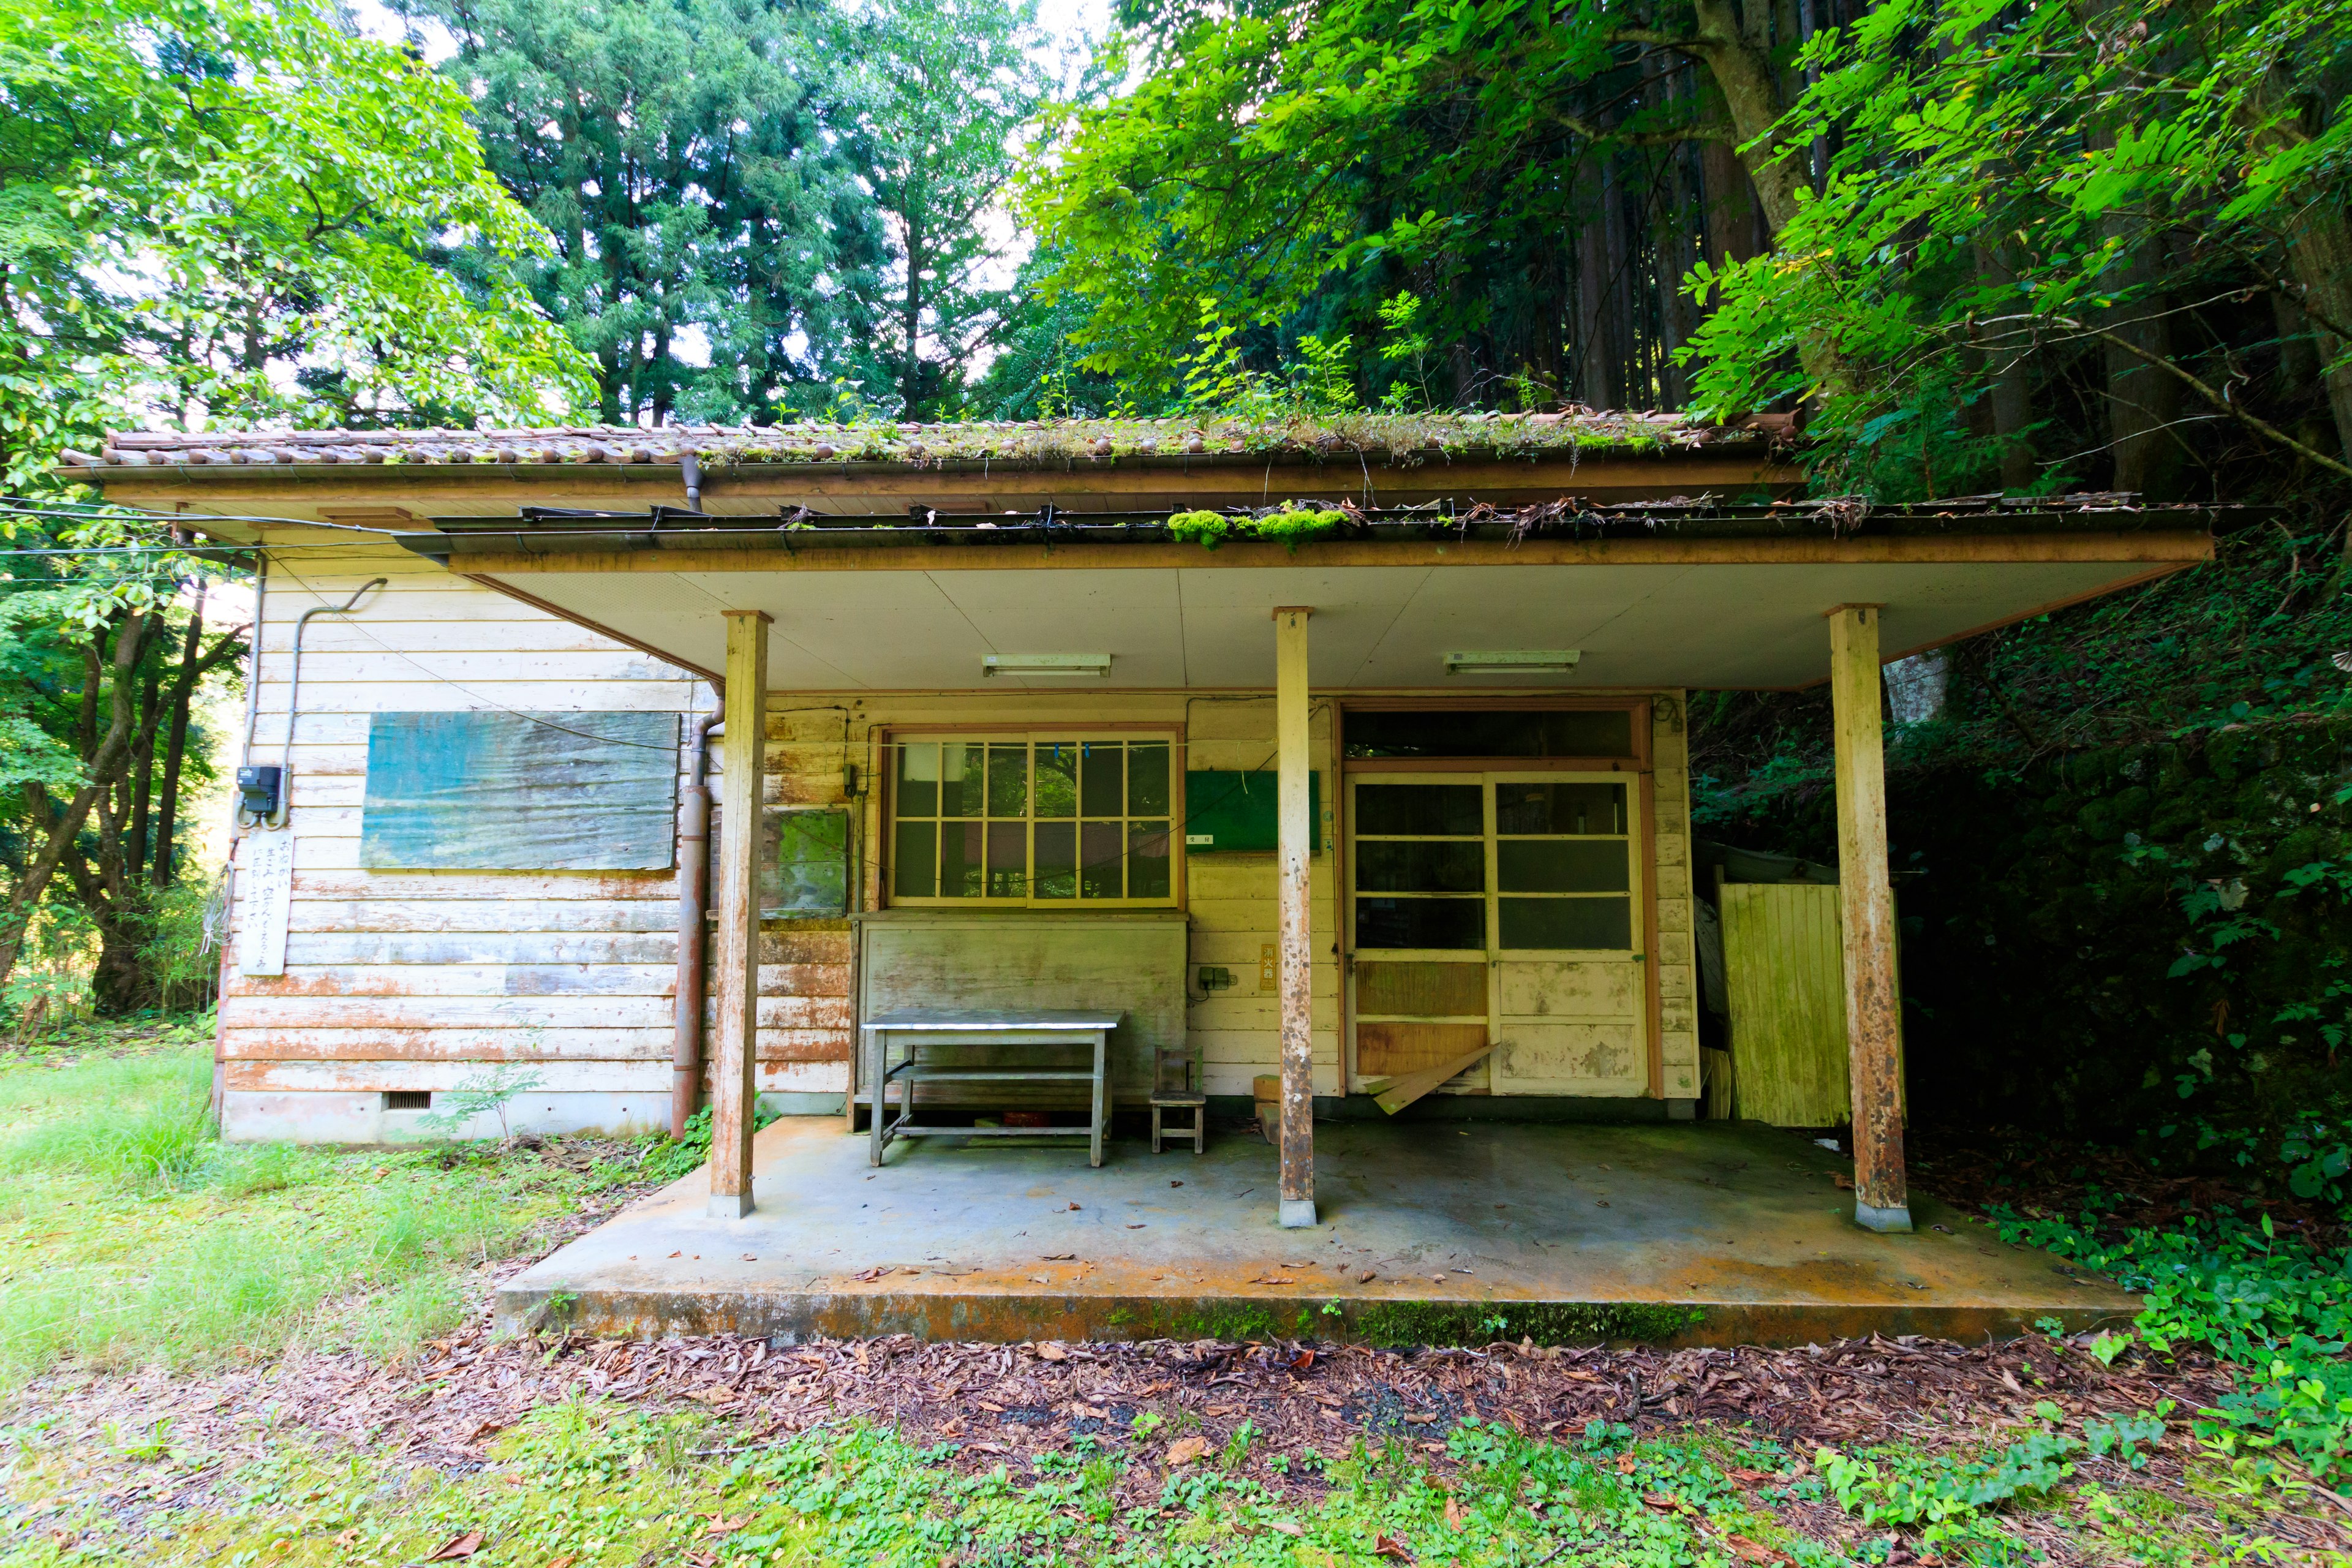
point(1709, 1233)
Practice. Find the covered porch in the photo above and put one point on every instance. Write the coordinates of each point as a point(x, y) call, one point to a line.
point(965, 626)
point(1429, 1230)
point(1459, 689)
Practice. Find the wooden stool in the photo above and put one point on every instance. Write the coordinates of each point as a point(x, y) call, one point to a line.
point(1198, 1132)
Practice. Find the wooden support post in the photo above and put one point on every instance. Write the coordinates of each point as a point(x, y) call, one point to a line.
point(735, 958)
point(1881, 1194)
point(1295, 841)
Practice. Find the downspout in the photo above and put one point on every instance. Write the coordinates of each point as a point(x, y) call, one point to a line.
point(693, 901)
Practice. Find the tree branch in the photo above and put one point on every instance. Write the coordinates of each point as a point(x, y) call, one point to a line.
point(2218, 400)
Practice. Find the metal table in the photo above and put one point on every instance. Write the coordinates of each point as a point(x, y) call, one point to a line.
point(917, 1027)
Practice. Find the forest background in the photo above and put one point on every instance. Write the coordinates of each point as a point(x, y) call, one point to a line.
point(1969, 247)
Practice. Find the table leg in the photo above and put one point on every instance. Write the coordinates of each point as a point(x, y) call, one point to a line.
point(1102, 1050)
point(877, 1058)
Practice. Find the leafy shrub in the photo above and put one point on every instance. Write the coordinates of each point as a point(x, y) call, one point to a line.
point(2278, 1309)
point(667, 1159)
point(180, 954)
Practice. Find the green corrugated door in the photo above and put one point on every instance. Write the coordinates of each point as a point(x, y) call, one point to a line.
point(1786, 971)
point(1783, 960)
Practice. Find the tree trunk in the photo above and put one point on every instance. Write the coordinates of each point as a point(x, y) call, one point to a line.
point(103, 760)
point(2141, 399)
point(1735, 39)
point(1597, 348)
point(2010, 386)
point(142, 777)
point(162, 869)
point(2318, 248)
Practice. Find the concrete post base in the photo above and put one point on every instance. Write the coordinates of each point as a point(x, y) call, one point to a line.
point(738, 1206)
point(1297, 1214)
point(1892, 1220)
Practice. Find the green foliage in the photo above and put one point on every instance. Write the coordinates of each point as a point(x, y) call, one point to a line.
point(666, 1159)
point(1308, 169)
point(230, 209)
point(2120, 854)
point(2278, 1310)
point(2015, 189)
point(178, 956)
point(1289, 524)
point(484, 1091)
point(749, 204)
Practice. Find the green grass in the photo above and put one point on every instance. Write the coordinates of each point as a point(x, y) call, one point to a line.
point(600, 1485)
point(130, 1235)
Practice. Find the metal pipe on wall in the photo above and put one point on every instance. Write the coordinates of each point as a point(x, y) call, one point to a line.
point(693, 904)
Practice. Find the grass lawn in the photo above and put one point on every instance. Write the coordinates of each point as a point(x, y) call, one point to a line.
point(130, 1236)
point(262, 1356)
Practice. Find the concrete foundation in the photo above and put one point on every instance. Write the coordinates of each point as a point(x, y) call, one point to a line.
point(364, 1117)
point(1707, 1233)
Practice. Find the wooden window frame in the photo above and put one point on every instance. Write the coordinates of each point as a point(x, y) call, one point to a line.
point(893, 738)
point(1637, 710)
point(1641, 766)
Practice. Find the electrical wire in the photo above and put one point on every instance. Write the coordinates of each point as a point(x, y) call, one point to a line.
point(460, 686)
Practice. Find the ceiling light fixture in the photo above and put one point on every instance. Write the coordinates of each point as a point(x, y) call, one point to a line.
point(1513, 661)
point(1046, 664)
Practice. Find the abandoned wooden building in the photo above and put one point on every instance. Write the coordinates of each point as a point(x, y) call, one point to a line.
point(1333, 757)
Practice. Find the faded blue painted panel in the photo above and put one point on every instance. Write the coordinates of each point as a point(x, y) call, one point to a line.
point(521, 792)
point(805, 871)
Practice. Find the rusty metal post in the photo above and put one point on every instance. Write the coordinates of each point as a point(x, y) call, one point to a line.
point(1294, 839)
point(736, 954)
point(693, 902)
point(1866, 899)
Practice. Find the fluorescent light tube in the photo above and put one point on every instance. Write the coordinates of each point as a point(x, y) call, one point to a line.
point(1046, 664)
point(1513, 661)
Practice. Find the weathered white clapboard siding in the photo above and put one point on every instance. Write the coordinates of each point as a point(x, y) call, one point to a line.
point(412, 979)
point(1676, 961)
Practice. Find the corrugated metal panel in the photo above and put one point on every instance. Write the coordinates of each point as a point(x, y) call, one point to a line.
point(1784, 964)
point(514, 792)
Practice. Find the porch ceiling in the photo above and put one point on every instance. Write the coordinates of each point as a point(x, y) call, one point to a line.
point(1708, 623)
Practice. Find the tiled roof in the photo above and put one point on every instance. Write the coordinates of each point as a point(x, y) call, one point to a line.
point(1395, 437)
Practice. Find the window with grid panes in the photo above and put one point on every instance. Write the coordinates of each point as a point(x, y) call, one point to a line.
point(1560, 852)
point(1036, 821)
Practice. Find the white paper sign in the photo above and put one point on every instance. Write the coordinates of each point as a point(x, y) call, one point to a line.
point(265, 877)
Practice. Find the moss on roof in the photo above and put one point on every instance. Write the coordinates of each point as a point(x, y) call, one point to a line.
point(1393, 438)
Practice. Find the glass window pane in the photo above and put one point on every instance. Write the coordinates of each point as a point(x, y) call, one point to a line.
point(1495, 733)
point(1147, 859)
point(914, 861)
point(1561, 866)
point(1420, 809)
point(919, 779)
point(1147, 780)
point(1523, 807)
point(960, 778)
point(1008, 780)
point(1102, 781)
point(1421, 922)
point(960, 860)
point(1100, 850)
point(1008, 859)
point(1421, 866)
point(1057, 859)
point(1566, 922)
point(1057, 778)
